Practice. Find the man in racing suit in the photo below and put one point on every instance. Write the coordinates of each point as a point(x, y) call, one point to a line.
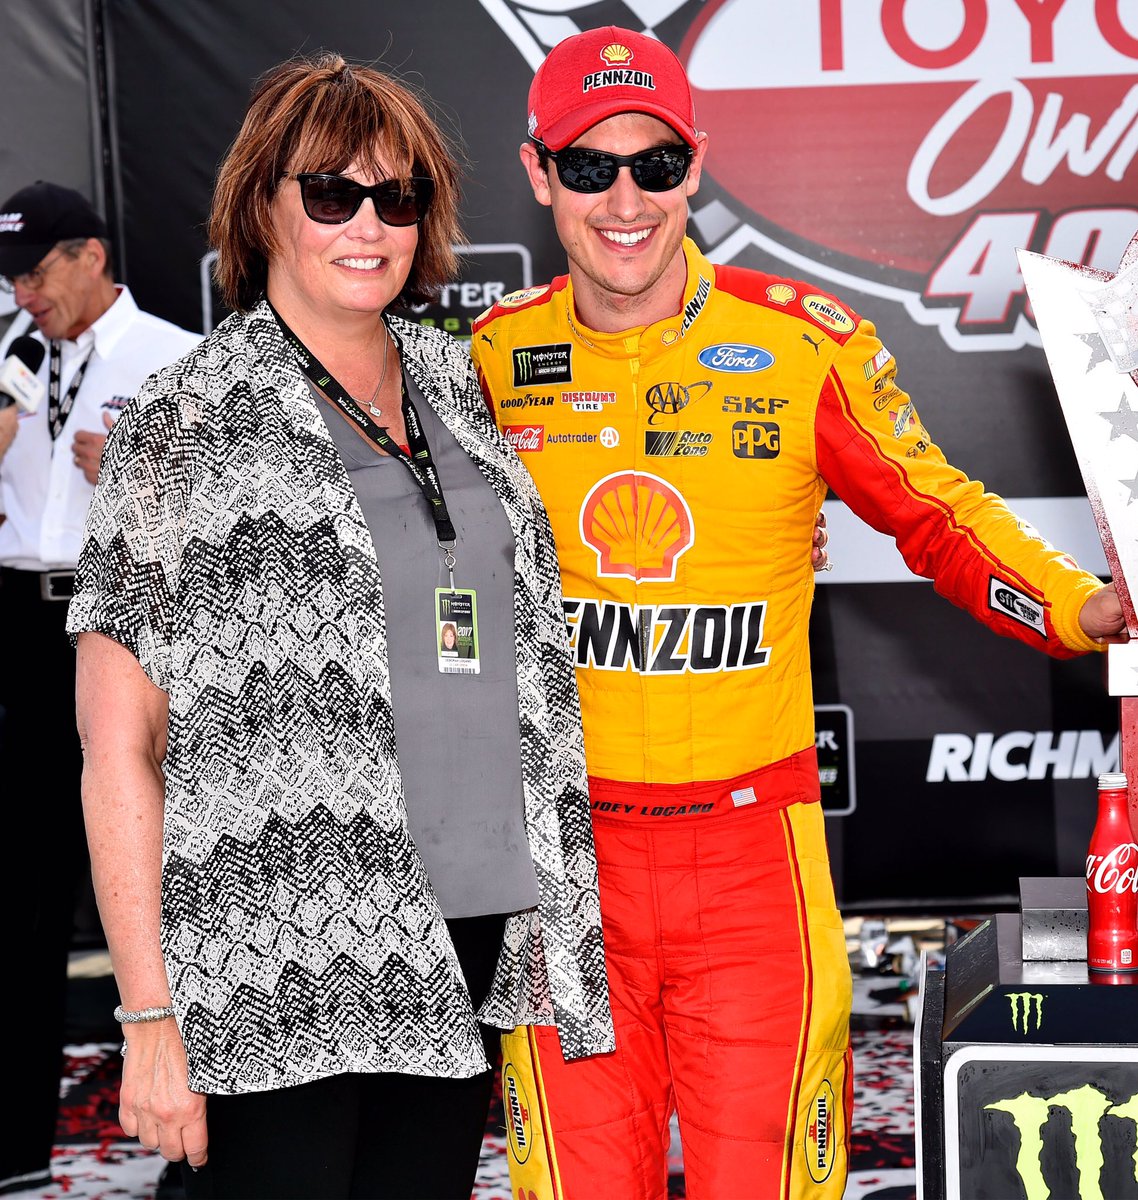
point(683, 422)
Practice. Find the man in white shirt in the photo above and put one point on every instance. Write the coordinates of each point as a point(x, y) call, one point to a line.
point(99, 348)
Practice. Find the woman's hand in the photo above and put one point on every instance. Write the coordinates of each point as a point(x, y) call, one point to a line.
point(156, 1104)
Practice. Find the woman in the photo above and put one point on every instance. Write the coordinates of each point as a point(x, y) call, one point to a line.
point(316, 936)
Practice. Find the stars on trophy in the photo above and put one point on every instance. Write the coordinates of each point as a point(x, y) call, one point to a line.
point(1124, 420)
point(1099, 352)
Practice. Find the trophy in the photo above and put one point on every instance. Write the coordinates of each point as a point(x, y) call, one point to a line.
point(1088, 323)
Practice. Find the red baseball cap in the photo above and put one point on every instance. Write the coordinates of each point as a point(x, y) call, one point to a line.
point(602, 72)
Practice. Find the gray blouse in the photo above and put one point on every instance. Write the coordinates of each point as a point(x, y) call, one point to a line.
point(225, 547)
point(456, 735)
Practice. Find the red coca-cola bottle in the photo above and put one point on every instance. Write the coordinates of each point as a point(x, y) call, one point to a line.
point(1112, 883)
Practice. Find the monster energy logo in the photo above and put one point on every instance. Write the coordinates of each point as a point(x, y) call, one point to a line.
point(1081, 1109)
point(1024, 1005)
point(542, 364)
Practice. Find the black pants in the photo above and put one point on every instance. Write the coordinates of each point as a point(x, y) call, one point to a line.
point(360, 1137)
point(44, 864)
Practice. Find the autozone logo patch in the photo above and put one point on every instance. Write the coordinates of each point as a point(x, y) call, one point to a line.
point(542, 364)
point(672, 639)
point(676, 443)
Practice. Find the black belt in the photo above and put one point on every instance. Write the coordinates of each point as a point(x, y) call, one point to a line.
point(38, 585)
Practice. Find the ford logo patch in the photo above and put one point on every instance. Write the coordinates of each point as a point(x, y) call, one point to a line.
point(736, 357)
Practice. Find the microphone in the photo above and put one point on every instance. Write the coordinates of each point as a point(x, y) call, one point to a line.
point(18, 382)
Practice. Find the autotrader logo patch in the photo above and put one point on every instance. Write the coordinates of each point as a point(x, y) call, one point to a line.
point(542, 364)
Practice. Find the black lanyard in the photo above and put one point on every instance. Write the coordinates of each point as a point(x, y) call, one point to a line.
point(58, 412)
point(418, 461)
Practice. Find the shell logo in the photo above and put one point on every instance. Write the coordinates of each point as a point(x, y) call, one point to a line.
point(639, 526)
point(616, 55)
point(781, 293)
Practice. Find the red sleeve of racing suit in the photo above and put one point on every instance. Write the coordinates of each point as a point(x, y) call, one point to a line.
point(874, 452)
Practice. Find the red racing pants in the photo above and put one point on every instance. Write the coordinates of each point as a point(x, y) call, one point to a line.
point(731, 994)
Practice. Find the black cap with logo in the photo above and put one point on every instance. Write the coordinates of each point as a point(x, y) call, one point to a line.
point(37, 217)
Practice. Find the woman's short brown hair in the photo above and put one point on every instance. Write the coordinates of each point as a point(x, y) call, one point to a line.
point(322, 114)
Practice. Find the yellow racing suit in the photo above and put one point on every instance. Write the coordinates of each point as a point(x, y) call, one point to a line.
point(682, 465)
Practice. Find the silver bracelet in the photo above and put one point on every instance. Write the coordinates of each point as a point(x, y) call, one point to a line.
point(125, 1017)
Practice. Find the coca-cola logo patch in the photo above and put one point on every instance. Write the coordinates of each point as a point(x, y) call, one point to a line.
point(906, 149)
point(525, 439)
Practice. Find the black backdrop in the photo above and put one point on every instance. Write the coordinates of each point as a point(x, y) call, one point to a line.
point(895, 157)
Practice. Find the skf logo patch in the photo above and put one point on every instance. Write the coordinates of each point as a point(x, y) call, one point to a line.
point(755, 439)
point(639, 526)
point(543, 364)
point(1003, 598)
point(1024, 1006)
point(735, 357)
point(820, 1141)
point(525, 439)
point(667, 399)
point(828, 313)
point(519, 1124)
point(678, 443)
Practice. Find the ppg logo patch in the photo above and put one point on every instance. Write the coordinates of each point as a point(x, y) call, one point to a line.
point(1003, 598)
point(755, 439)
point(535, 365)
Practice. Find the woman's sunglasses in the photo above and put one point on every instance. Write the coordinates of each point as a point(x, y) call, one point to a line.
point(657, 170)
point(334, 199)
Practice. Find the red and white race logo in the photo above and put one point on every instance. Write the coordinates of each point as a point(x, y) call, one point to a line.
point(908, 150)
point(525, 438)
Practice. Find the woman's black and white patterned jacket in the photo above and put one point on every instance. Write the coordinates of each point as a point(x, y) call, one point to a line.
point(225, 548)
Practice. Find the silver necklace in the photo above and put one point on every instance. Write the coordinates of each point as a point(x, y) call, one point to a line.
point(372, 407)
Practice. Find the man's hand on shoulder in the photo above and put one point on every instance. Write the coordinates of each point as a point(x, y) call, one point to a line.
point(1101, 617)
